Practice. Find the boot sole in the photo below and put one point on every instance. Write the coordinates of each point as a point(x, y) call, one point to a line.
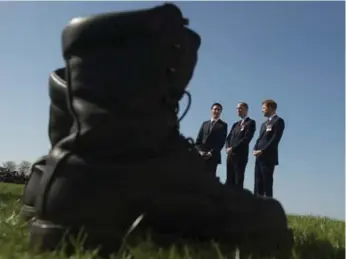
point(46, 236)
point(27, 212)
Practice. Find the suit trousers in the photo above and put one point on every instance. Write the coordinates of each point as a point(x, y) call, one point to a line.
point(264, 179)
point(235, 171)
point(211, 167)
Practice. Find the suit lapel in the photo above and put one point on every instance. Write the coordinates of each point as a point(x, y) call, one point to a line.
point(206, 127)
point(263, 129)
point(240, 126)
point(274, 120)
point(265, 124)
point(216, 125)
point(244, 123)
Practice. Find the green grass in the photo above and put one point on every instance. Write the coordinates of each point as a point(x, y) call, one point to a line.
point(315, 237)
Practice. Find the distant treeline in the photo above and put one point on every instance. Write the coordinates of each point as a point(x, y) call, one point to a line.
point(8, 176)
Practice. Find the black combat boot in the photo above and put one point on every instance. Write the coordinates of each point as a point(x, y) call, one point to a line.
point(60, 123)
point(125, 157)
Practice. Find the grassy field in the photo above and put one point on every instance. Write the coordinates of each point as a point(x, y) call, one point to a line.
point(315, 238)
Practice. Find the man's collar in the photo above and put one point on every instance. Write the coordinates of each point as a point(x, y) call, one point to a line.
point(243, 119)
point(271, 117)
point(216, 120)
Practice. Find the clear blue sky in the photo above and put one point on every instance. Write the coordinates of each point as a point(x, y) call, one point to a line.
point(292, 52)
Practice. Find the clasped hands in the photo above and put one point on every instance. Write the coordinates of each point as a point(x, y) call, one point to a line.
point(205, 155)
point(256, 153)
point(208, 155)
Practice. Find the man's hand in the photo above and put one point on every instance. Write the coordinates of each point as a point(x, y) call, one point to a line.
point(202, 153)
point(207, 155)
point(229, 150)
point(257, 153)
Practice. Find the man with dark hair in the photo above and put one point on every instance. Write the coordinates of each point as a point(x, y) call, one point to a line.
point(266, 149)
point(211, 138)
point(237, 146)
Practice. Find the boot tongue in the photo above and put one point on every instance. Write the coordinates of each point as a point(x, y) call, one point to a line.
point(120, 137)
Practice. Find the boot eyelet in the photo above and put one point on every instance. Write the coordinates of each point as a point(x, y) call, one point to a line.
point(186, 21)
point(172, 70)
point(177, 46)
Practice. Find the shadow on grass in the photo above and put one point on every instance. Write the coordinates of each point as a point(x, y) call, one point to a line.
point(314, 248)
point(306, 246)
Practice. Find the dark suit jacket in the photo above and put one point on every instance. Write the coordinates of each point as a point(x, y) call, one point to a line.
point(269, 139)
point(239, 138)
point(212, 141)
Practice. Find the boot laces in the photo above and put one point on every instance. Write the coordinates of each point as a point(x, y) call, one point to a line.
point(187, 108)
point(189, 141)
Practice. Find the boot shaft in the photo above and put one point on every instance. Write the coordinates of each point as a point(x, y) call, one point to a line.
point(59, 126)
point(60, 120)
point(126, 73)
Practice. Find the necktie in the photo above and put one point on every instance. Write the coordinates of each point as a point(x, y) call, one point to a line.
point(211, 126)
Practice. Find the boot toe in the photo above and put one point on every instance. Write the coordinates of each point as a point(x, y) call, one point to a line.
point(271, 235)
point(271, 215)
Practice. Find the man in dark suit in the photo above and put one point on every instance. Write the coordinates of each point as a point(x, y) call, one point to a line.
point(237, 147)
point(211, 139)
point(266, 149)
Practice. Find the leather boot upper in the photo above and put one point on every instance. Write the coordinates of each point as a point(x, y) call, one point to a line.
point(59, 125)
point(126, 73)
